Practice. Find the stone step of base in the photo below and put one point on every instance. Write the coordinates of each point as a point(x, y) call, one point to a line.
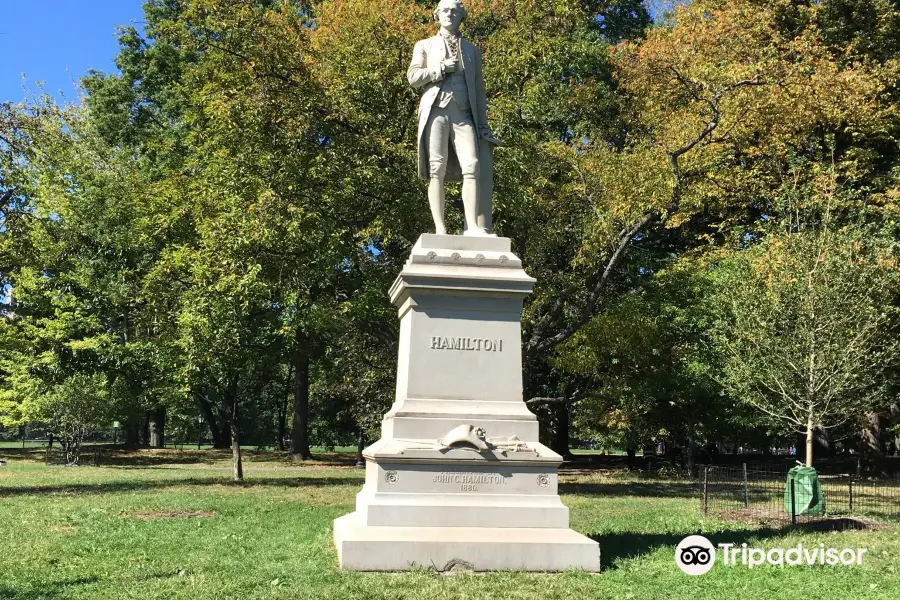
point(494, 513)
point(362, 548)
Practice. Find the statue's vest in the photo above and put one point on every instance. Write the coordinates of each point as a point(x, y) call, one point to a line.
point(454, 87)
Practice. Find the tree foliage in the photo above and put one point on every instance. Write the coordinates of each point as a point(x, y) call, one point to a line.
point(212, 231)
point(810, 336)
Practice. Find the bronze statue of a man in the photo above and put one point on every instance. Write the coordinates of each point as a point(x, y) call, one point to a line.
point(454, 139)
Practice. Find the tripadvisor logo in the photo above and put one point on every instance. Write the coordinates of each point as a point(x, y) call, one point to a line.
point(696, 555)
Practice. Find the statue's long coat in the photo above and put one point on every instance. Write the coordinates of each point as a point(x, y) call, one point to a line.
point(425, 73)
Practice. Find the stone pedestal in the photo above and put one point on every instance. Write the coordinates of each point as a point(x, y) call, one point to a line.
point(458, 478)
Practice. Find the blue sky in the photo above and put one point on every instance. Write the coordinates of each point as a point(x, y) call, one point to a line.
point(57, 41)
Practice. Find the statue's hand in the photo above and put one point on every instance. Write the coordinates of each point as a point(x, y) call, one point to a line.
point(485, 134)
point(451, 65)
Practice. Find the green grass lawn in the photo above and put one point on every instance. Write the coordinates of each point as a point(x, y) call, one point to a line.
point(170, 525)
point(13, 444)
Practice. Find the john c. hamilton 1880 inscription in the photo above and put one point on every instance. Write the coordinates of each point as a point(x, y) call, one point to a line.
point(466, 343)
point(468, 482)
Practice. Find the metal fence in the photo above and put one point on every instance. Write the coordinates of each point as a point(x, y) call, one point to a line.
point(765, 494)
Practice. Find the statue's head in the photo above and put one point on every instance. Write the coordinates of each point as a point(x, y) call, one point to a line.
point(450, 13)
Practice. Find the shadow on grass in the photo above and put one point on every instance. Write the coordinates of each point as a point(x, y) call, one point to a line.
point(149, 458)
point(118, 456)
point(86, 489)
point(53, 589)
point(653, 489)
point(628, 545)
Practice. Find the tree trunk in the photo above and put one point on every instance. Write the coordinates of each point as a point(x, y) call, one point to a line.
point(145, 430)
point(282, 410)
point(231, 397)
point(360, 446)
point(282, 428)
point(132, 435)
point(158, 427)
point(810, 439)
point(300, 430)
point(690, 454)
point(893, 444)
point(630, 462)
point(218, 438)
point(872, 442)
point(822, 442)
point(68, 447)
point(691, 459)
point(561, 433)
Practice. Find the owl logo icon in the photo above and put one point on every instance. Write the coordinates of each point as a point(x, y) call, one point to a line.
point(695, 555)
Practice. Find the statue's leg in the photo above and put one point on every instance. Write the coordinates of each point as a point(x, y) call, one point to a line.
point(436, 199)
point(437, 133)
point(485, 186)
point(470, 203)
point(465, 143)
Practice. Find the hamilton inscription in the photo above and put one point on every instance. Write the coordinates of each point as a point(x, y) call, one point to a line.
point(466, 343)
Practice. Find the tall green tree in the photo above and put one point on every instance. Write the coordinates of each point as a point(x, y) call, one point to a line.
point(810, 336)
point(77, 248)
point(652, 370)
point(721, 125)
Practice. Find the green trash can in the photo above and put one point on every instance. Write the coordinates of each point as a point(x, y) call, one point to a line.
point(808, 496)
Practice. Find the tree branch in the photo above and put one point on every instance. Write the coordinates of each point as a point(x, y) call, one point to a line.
point(535, 344)
point(539, 342)
point(540, 400)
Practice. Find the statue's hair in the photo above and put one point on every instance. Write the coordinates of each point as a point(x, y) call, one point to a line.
point(465, 13)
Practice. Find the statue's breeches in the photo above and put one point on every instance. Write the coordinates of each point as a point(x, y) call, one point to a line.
point(450, 125)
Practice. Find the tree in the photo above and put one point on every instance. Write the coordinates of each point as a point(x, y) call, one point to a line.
point(619, 20)
point(230, 208)
point(651, 370)
point(75, 250)
point(718, 124)
point(810, 332)
point(71, 409)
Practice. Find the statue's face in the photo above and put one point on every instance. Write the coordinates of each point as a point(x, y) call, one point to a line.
point(449, 15)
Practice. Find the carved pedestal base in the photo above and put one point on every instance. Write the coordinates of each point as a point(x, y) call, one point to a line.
point(458, 478)
point(362, 548)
